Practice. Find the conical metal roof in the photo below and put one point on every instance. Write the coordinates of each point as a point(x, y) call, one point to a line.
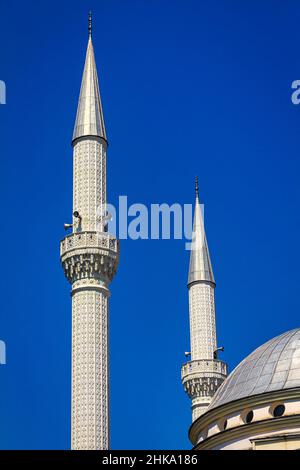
point(200, 264)
point(89, 119)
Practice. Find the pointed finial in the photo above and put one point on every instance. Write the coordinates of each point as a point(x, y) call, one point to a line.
point(197, 186)
point(90, 24)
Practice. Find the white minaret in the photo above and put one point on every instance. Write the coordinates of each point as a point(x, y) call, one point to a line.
point(204, 373)
point(89, 257)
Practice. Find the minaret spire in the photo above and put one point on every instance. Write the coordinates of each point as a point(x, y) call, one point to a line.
point(200, 263)
point(89, 257)
point(89, 118)
point(204, 373)
point(90, 24)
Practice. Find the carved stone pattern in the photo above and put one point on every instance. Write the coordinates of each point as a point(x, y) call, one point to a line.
point(89, 180)
point(202, 386)
point(89, 255)
point(88, 240)
point(206, 366)
point(87, 265)
point(202, 321)
point(90, 381)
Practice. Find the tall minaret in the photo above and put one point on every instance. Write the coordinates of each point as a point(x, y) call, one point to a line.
point(204, 373)
point(89, 257)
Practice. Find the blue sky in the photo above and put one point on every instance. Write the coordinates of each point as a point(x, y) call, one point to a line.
point(188, 88)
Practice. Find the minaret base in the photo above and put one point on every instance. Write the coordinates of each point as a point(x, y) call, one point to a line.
point(199, 407)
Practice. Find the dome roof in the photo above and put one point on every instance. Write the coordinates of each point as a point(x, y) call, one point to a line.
point(273, 366)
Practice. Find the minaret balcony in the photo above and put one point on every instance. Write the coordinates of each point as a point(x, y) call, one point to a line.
point(89, 255)
point(203, 377)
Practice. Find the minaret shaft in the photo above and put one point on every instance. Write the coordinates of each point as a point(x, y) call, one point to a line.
point(202, 321)
point(90, 257)
point(90, 375)
point(89, 182)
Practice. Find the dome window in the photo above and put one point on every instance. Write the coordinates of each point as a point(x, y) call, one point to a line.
point(278, 411)
point(249, 417)
point(222, 424)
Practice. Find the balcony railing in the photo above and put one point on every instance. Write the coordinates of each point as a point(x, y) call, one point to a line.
point(204, 366)
point(88, 240)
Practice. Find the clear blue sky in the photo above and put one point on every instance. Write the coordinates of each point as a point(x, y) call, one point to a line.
point(188, 88)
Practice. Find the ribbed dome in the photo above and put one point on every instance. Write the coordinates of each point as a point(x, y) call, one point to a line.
point(273, 366)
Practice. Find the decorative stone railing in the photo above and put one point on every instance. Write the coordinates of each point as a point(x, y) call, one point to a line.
point(88, 240)
point(203, 366)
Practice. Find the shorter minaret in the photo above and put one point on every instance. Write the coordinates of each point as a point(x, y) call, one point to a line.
point(204, 373)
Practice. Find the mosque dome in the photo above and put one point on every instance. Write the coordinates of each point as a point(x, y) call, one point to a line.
point(273, 366)
point(258, 405)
